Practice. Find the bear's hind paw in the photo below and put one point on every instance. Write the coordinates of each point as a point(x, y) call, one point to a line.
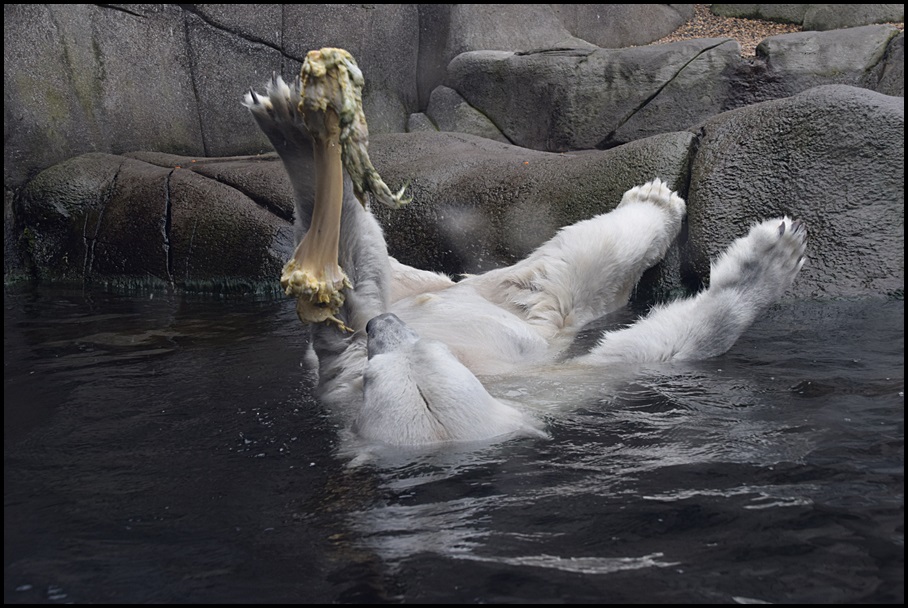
point(277, 112)
point(767, 259)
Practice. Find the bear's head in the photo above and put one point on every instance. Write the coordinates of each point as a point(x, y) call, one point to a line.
point(416, 392)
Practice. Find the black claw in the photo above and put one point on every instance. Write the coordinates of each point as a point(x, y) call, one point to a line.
point(781, 228)
point(255, 98)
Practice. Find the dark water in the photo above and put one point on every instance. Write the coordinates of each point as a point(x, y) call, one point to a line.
point(168, 450)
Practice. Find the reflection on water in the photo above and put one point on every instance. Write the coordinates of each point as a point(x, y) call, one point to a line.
point(168, 449)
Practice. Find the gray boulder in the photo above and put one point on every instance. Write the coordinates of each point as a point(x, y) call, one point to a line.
point(113, 78)
point(803, 60)
point(498, 27)
point(832, 156)
point(780, 13)
point(615, 26)
point(450, 112)
point(447, 30)
point(222, 67)
point(13, 267)
point(418, 121)
point(219, 224)
point(130, 88)
point(889, 76)
point(87, 77)
point(816, 16)
point(581, 99)
point(168, 78)
point(572, 99)
point(264, 24)
point(835, 16)
point(106, 219)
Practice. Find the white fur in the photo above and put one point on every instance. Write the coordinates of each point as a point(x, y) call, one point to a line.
point(408, 378)
point(444, 400)
point(407, 281)
point(528, 313)
point(752, 274)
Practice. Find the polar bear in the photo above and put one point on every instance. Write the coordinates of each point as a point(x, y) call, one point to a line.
point(406, 373)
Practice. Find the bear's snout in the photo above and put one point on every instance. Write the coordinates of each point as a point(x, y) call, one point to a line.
point(386, 333)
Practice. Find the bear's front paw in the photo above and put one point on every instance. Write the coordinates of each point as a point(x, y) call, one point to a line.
point(656, 192)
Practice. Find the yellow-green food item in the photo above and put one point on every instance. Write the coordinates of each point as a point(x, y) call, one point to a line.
point(313, 276)
point(318, 297)
point(331, 79)
point(332, 111)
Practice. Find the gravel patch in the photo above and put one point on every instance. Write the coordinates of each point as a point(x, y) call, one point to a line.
point(748, 32)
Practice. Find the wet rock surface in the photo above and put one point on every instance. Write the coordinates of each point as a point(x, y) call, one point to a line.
point(108, 219)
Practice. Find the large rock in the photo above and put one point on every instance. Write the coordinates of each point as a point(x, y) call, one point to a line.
point(803, 60)
point(450, 112)
point(107, 219)
point(833, 156)
point(816, 16)
point(835, 16)
point(13, 267)
point(222, 67)
point(781, 13)
point(889, 76)
point(89, 78)
point(581, 99)
point(498, 27)
point(447, 30)
point(263, 24)
point(226, 224)
point(615, 26)
point(166, 77)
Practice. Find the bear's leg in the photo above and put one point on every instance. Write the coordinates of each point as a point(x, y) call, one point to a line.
point(754, 272)
point(589, 268)
point(655, 237)
point(278, 116)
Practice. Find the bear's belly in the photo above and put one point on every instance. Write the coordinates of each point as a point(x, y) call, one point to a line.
point(484, 337)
